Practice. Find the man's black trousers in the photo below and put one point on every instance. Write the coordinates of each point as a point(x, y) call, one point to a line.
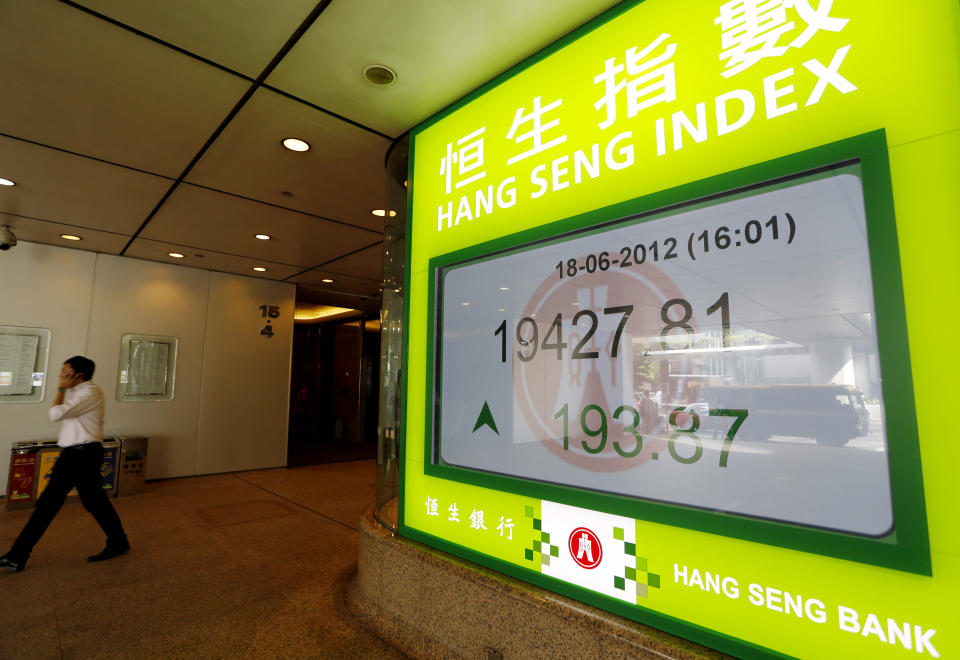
point(78, 466)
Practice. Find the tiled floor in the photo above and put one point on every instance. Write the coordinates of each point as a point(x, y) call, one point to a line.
point(254, 564)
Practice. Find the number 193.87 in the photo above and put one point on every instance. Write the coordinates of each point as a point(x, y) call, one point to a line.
point(593, 424)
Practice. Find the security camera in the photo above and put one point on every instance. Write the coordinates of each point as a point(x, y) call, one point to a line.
point(7, 239)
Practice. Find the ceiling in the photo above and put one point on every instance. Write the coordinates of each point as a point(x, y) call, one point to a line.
point(149, 127)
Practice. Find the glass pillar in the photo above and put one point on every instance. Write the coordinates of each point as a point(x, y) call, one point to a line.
point(391, 336)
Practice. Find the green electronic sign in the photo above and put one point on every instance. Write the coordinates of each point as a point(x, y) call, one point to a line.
point(676, 323)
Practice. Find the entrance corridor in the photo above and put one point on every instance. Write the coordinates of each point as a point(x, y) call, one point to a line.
point(252, 564)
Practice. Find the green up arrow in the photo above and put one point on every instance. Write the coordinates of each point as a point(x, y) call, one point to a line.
point(486, 419)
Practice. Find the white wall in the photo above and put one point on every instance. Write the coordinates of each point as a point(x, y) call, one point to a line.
point(229, 410)
point(147, 298)
point(43, 288)
point(238, 371)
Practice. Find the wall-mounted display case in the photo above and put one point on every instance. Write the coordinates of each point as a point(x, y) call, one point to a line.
point(24, 354)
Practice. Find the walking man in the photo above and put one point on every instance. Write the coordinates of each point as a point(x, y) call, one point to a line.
point(79, 405)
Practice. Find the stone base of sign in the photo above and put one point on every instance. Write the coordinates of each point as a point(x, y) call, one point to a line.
point(430, 604)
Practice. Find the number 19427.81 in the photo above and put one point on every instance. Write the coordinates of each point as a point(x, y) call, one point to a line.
point(528, 332)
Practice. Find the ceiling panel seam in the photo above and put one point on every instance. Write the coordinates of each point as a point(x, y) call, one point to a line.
point(346, 294)
point(217, 65)
point(282, 207)
point(156, 40)
point(347, 120)
point(300, 31)
point(63, 224)
point(330, 261)
point(162, 176)
point(226, 254)
point(87, 156)
point(364, 280)
point(209, 269)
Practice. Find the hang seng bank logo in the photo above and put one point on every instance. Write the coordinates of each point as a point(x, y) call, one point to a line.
point(585, 548)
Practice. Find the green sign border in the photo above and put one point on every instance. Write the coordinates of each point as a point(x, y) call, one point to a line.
point(907, 546)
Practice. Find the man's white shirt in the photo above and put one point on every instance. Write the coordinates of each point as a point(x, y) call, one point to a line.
point(82, 415)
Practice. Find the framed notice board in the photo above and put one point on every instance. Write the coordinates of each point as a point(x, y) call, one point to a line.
point(148, 368)
point(24, 353)
point(666, 331)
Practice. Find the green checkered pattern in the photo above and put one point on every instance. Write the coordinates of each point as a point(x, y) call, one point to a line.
point(643, 577)
point(540, 550)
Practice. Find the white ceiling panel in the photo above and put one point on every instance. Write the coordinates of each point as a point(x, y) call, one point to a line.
point(211, 260)
point(341, 177)
point(105, 103)
point(440, 51)
point(39, 231)
point(79, 83)
point(242, 35)
point(215, 221)
point(73, 190)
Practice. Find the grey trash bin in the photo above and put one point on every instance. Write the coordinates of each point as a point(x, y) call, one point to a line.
point(132, 471)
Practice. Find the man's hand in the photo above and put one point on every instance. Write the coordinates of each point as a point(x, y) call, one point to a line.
point(68, 378)
point(67, 382)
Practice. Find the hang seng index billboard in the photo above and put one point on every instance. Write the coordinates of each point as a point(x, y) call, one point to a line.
point(670, 347)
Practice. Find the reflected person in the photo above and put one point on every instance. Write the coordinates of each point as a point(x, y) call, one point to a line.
point(79, 406)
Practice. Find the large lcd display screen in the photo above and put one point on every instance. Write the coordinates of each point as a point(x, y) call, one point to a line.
point(720, 355)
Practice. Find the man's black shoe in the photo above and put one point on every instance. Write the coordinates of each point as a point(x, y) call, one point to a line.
point(12, 566)
point(109, 552)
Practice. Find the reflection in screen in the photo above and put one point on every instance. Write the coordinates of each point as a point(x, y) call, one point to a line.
point(723, 356)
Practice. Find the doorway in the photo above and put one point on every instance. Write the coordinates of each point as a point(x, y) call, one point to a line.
point(333, 389)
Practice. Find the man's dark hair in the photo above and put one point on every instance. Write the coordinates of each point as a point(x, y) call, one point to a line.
point(81, 365)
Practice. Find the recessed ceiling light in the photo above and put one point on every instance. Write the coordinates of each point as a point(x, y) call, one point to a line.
point(327, 280)
point(382, 212)
point(465, 304)
point(175, 255)
point(379, 74)
point(70, 237)
point(296, 144)
point(260, 269)
point(262, 237)
point(504, 288)
point(6, 182)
